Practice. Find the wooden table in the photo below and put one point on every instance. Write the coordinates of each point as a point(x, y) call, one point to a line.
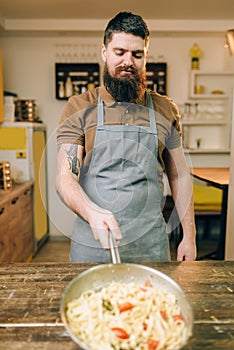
point(30, 297)
point(219, 178)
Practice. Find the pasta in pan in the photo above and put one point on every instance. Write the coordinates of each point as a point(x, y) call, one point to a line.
point(127, 316)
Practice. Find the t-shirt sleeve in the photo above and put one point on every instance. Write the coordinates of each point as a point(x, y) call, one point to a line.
point(70, 129)
point(174, 140)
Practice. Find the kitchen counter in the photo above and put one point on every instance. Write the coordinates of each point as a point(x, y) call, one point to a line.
point(30, 297)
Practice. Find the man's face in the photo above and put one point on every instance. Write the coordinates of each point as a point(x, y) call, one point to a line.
point(123, 54)
point(124, 70)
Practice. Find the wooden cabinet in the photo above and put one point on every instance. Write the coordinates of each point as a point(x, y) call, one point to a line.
point(16, 223)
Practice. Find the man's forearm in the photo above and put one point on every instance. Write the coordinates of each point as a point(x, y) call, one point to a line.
point(73, 195)
point(182, 194)
point(68, 168)
point(183, 198)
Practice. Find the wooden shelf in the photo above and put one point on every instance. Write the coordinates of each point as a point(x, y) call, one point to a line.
point(80, 75)
point(206, 151)
point(156, 74)
point(202, 122)
point(209, 96)
point(199, 77)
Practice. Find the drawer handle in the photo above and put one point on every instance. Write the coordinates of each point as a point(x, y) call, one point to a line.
point(2, 211)
point(15, 200)
point(27, 192)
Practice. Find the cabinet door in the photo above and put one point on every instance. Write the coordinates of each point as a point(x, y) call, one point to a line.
point(40, 191)
point(4, 233)
point(15, 229)
point(27, 242)
point(20, 227)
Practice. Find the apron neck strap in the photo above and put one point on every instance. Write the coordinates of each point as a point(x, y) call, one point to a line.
point(100, 114)
point(151, 114)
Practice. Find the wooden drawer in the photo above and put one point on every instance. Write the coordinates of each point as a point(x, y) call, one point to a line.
point(16, 227)
point(25, 246)
point(14, 209)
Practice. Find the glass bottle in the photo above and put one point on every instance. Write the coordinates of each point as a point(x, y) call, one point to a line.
point(91, 84)
point(68, 87)
point(61, 90)
point(76, 89)
point(195, 53)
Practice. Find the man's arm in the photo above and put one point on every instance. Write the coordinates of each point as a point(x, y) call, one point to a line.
point(181, 188)
point(69, 160)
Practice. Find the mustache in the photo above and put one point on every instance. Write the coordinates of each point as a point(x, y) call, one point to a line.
point(130, 69)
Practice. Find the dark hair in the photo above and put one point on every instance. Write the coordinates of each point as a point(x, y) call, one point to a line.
point(126, 22)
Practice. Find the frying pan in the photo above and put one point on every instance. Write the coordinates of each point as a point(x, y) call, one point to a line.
point(101, 275)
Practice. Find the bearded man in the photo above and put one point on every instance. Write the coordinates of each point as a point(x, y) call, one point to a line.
point(115, 142)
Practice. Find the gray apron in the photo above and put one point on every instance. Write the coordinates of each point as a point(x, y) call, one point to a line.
point(122, 178)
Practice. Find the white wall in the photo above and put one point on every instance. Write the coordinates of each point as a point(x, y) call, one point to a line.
point(28, 70)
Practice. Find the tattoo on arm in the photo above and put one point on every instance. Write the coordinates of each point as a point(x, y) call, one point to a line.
point(73, 160)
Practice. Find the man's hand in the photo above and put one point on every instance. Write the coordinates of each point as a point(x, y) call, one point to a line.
point(187, 250)
point(101, 221)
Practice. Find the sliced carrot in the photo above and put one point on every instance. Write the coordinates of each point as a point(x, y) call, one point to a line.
point(163, 314)
point(125, 306)
point(152, 344)
point(147, 283)
point(178, 317)
point(120, 332)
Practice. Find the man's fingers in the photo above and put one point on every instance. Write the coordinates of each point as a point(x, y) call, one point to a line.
point(102, 236)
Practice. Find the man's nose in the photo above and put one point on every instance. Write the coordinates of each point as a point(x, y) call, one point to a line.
point(128, 59)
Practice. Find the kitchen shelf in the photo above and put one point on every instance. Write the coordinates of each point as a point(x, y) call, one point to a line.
point(203, 122)
point(209, 96)
point(207, 151)
point(206, 118)
point(209, 80)
point(156, 74)
point(80, 75)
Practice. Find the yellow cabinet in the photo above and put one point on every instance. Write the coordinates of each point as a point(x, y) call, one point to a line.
point(23, 144)
point(1, 91)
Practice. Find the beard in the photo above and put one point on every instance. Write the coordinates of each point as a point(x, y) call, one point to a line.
point(129, 88)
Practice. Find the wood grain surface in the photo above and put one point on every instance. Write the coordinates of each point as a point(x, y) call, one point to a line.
point(30, 297)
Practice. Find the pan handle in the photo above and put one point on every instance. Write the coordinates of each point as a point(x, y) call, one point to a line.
point(114, 252)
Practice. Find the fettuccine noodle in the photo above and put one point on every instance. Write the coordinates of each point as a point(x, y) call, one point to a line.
point(127, 316)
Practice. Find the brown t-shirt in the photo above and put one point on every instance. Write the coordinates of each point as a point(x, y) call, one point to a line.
point(79, 119)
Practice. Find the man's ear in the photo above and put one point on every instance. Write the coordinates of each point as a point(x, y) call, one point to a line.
point(103, 53)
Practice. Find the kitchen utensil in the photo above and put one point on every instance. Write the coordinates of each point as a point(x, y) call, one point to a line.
point(25, 110)
point(101, 275)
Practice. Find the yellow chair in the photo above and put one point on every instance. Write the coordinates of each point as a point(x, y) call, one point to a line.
point(207, 205)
